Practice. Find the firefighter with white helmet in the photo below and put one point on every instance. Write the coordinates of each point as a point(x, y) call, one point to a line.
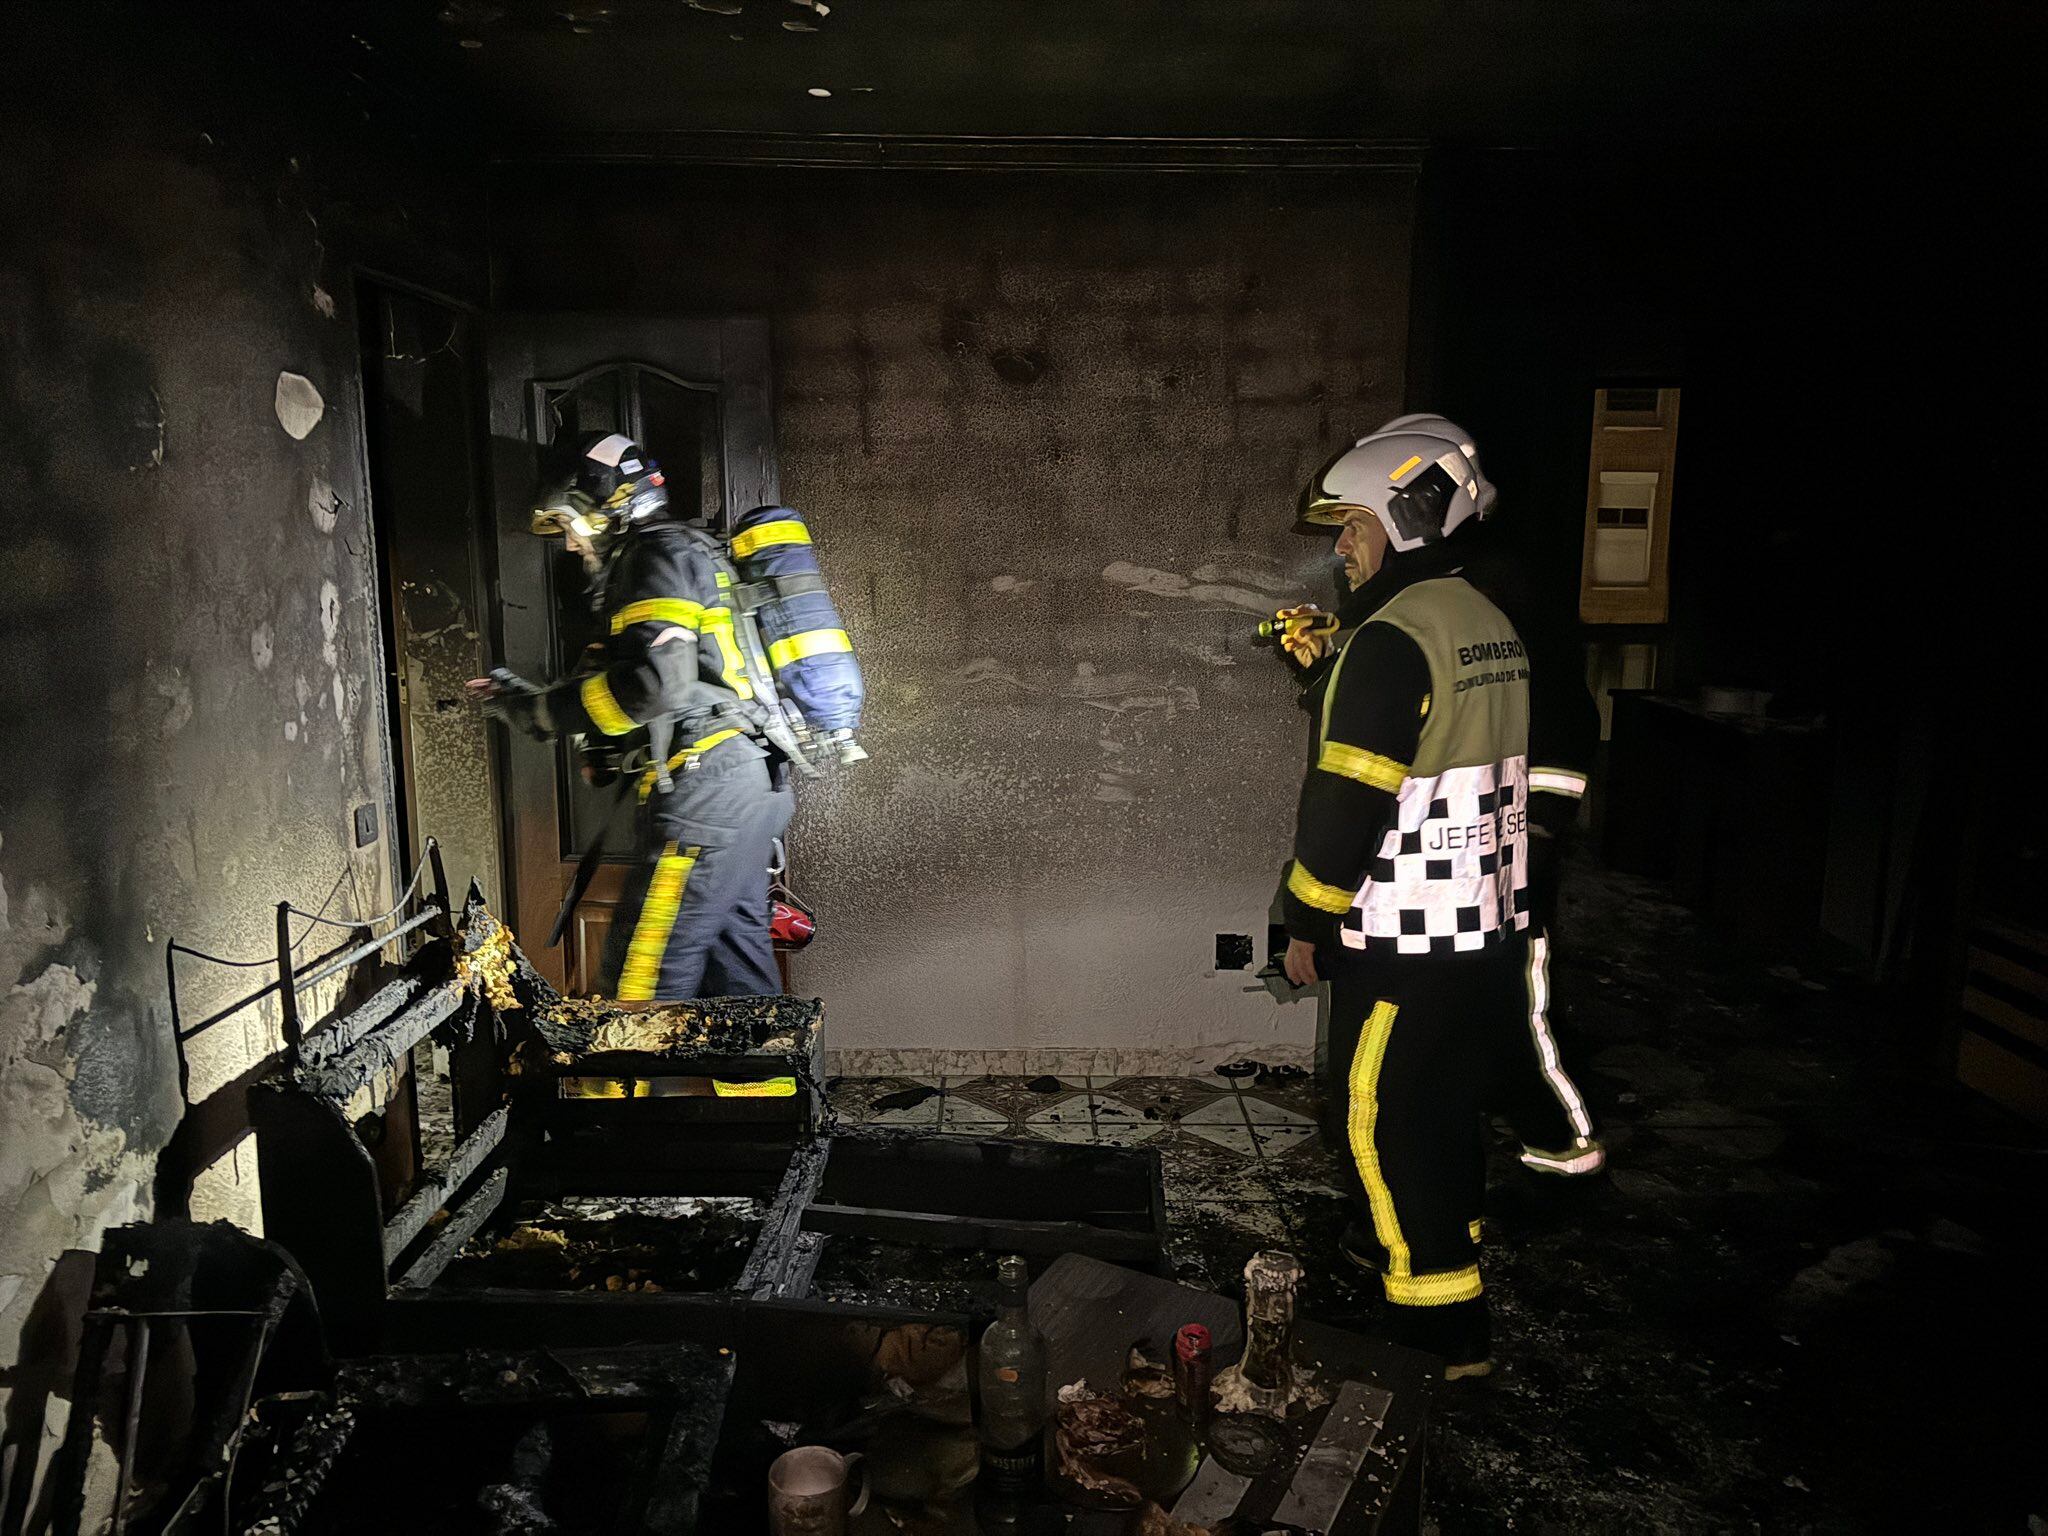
point(1408, 890)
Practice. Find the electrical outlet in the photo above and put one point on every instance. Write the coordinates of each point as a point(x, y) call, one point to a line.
point(1233, 951)
point(366, 825)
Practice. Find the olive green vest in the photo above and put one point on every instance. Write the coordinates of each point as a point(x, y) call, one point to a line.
point(1452, 872)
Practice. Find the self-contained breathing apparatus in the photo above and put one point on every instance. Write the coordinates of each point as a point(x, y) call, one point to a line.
point(797, 686)
point(787, 676)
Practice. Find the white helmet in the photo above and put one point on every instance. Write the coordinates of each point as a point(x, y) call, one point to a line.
point(1420, 486)
point(1443, 426)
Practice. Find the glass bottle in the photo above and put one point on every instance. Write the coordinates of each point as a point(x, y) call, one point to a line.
point(1268, 1365)
point(1193, 1368)
point(1013, 1392)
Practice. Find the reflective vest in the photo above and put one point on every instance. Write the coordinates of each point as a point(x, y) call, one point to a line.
point(1452, 872)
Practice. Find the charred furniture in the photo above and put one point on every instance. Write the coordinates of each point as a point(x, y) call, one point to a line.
point(608, 1442)
point(909, 1216)
point(528, 1158)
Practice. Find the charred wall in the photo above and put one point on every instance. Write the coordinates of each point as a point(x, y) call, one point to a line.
point(1050, 429)
point(193, 685)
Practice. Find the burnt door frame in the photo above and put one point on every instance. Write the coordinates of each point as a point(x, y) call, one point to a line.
point(727, 353)
point(408, 826)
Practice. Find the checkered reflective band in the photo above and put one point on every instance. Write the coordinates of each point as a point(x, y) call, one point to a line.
point(1453, 872)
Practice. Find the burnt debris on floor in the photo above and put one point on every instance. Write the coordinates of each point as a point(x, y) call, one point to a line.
point(613, 1293)
point(651, 1244)
point(1804, 1283)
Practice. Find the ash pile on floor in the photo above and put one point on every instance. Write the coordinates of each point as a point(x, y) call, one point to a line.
point(637, 1246)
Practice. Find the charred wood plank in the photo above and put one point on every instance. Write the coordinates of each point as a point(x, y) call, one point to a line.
point(775, 1250)
point(440, 1318)
point(681, 1469)
point(283, 1503)
point(437, 1184)
point(600, 1378)
point(427, 972)
point(776, 1028)
point(374, 1060)
point(1030, 1237)
point(463, 1224)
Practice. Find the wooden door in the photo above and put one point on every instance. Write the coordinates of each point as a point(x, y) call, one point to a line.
point(696, 394)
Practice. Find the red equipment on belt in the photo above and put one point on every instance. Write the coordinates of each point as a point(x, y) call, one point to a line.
point(791, 922)
point(790, 925)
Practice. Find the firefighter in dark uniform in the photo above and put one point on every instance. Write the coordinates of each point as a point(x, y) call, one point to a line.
point(670, 699)
point(1408, 890)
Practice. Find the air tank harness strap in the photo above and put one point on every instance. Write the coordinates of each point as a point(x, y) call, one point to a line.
point(664, 767)
point(751, 595)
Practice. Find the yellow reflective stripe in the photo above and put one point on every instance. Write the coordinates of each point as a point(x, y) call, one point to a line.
point(657, 921)
point(767, 1088)
point(763, 535)
point(602, 708)
point(1438, 1290)
point(595, 1087)
point(812, 642)
point(658, 610)
point(1366, 767)
point(1325, 898)
point(1366, 1062)
point(1473, 1227)
point(696, 748)
point(718, 624)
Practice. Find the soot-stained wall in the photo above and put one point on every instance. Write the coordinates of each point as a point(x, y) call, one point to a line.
point(193, 693)
point(1050, 429)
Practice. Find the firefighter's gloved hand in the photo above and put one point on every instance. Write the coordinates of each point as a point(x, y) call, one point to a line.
point(507, 696)
point(1299, 637)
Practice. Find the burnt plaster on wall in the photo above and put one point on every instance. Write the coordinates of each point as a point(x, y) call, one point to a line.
point(420, 387)
point(453, 796)
point(1049, 431)
point(172, 211)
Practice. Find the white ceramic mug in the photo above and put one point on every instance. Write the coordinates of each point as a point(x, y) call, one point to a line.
point(807, 1492)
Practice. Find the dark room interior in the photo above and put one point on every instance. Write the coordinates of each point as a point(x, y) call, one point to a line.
point(731, 797)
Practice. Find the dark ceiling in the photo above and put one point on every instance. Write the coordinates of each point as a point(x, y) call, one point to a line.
point(584, 76)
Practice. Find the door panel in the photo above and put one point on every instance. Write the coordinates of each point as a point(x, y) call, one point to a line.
point(697, 394)
point(593, 924)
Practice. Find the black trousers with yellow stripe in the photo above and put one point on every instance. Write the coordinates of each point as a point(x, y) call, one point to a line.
point(693, 921)
point(1420, 1049)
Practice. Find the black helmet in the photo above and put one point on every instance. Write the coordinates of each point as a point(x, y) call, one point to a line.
point(605, 486)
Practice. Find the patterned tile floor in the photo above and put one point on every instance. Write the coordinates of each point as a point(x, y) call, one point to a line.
point(1243, 1163)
